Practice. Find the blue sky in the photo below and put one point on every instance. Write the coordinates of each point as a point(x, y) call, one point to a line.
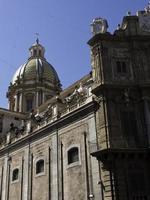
point(64, 29)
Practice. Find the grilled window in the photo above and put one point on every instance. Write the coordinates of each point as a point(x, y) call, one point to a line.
point(121, 67)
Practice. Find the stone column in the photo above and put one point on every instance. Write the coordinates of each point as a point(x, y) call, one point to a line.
point(5, 177)
point(54, 167)
point(37, 99)
point(25, 175)
point(94, 177)
point(20, 103)
point(16, 103)
point(43, 97)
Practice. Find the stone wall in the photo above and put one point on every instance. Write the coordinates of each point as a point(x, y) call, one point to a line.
point(59, 179)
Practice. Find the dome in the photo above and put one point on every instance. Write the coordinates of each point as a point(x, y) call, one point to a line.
point(34, 82)
point(36, 68)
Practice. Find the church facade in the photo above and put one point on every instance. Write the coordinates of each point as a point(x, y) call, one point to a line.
point(89, 141)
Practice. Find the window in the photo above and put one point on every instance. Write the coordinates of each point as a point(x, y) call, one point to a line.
point(73, 155)
point(121, 67)
point(40, 166)
point(35, 52)
point(29, 103)
point(15, 174)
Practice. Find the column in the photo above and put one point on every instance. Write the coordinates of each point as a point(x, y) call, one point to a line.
point(4, 188)
point(26, 171)
point(37, 99)
point(20, 103)
point(43, 97)
point(16, 103)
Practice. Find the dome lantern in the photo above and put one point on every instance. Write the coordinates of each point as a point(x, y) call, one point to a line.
point(37, 50)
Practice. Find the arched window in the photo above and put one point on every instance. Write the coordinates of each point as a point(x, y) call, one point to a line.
point(39, 166)
point(15, 174)
point(35, 52)
point(39, 52)
point(29, 101)
point(29, 104)
point(73, 155)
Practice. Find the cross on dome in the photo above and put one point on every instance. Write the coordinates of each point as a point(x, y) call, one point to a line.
point(37, 38)
point(37, 50)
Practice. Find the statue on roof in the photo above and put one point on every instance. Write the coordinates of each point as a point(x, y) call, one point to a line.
point(147, 9)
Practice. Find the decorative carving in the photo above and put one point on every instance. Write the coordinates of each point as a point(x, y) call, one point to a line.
point(13, 129)
point(77, 94)
point(99, 99)
point(48, 113)
point(147, 8)
point(36, 118)
point(96, 50)
point(99, 25)
point(126, 96)
point(144, 19)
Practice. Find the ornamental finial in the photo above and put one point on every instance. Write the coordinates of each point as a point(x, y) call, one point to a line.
point(147, 9)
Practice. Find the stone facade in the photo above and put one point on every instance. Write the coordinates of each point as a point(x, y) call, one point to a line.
point(59, 136)
point(72, 180)
point(120, 65)
point(50, 137)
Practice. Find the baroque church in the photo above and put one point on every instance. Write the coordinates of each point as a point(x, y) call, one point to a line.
point(91, 140)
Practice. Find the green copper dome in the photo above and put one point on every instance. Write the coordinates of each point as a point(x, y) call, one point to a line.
point(33, 83)
point(36, 68)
